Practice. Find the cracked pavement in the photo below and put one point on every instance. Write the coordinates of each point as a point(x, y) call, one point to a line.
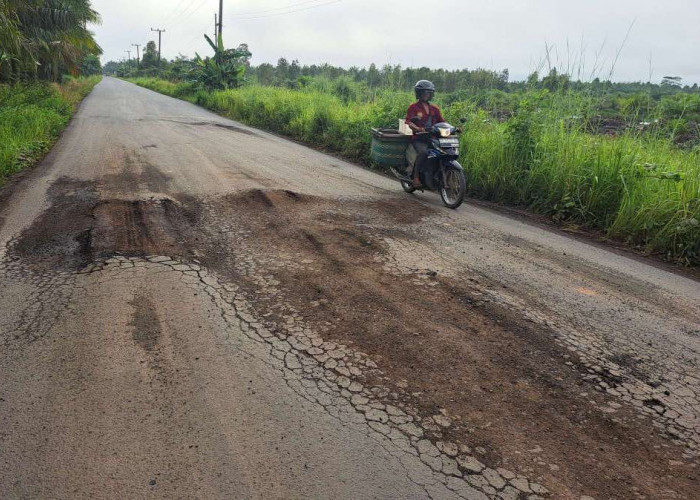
point(193, 308)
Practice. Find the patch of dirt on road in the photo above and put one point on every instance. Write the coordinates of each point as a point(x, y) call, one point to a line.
point(132, 172)
point(227, 126)
point(152, 227)
point(79, 227)
point(502, 379)
point(60, 237)
point(235, 128)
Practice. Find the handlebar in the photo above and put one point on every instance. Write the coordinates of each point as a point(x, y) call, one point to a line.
point(431, 130)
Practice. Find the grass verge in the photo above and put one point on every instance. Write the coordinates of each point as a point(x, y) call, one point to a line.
point(638, 188)
point(31, 118)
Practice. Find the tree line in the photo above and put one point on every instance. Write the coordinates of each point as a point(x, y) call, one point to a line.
point(396, 77)
point(292, 74)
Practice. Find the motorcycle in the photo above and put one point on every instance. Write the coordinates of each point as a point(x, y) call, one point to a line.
point(442, 172)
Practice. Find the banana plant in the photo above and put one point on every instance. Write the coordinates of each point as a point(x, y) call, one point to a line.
point(223, 71)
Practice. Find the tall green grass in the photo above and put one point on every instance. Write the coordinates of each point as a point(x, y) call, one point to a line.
point(32, 116)
point(637, 187)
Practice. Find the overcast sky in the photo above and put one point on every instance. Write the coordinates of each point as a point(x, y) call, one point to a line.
point(653, 37)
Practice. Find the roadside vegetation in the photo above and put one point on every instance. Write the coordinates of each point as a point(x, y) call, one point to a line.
point(48, 63)
point(31, 118)
point(617, 158)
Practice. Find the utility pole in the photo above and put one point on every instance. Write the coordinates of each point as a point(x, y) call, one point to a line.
point(129, 53)
point(138, 55)
point(221, 16)
point(160, 31)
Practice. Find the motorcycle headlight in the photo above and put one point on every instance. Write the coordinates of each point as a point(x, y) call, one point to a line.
point(445, 132)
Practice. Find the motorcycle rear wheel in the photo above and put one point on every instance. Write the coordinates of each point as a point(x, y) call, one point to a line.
point(454, 188)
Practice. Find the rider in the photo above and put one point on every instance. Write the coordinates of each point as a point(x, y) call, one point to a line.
point(421, 115)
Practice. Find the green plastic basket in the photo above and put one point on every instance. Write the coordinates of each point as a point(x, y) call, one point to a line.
point(389, 147)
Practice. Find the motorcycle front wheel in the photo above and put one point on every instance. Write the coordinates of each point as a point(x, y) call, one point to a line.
point(454, 188)
point(407, 186)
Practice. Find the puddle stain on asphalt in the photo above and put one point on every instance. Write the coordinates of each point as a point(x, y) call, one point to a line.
point(145, 322)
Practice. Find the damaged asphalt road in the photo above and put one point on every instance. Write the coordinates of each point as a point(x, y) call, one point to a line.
point(195, 309)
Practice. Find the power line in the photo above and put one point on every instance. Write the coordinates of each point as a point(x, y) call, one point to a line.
point(198, 35)
point(285, 7)
point(178, 15)
point(186, 13)
point(292, 8)
point(289, 11)
point(174, 13)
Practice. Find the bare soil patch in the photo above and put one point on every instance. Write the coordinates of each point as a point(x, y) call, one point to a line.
point(502, 377)
point(79, 227)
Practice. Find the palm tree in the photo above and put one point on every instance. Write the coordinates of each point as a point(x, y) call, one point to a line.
point(45, 38)
point(11, 39)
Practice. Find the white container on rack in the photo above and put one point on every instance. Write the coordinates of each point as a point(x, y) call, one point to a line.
point(404, 128)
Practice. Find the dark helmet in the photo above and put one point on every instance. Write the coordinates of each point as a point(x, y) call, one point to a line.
point(422, 86)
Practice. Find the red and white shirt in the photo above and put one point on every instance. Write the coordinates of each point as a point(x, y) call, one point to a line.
point(428, 114)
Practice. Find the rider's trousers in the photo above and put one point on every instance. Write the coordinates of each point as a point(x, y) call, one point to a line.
point(417, 154)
